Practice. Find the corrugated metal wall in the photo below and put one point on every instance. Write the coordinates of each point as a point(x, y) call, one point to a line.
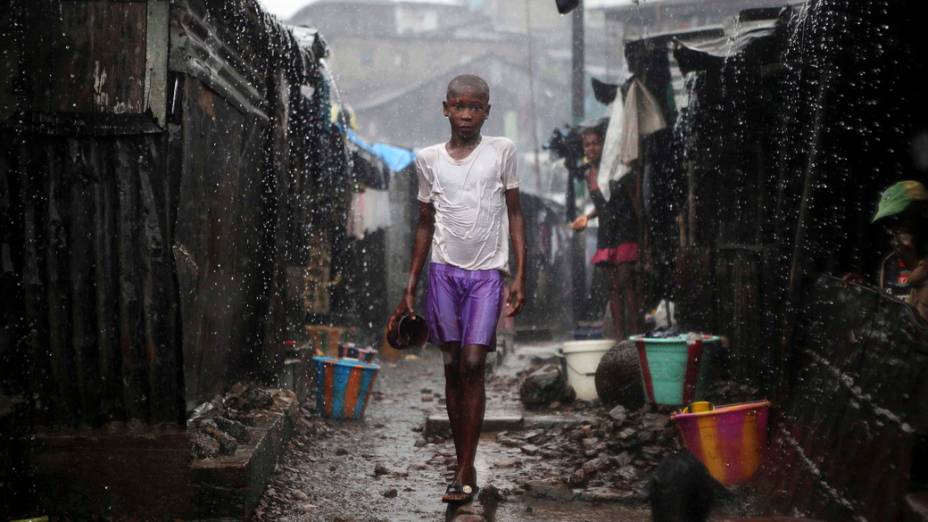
point(843, 447)
point(787, 147)
point(218, 234)
point(99, 316)
point(146, 243)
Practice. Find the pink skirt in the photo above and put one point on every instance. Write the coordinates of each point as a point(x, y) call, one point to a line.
point(624, 253)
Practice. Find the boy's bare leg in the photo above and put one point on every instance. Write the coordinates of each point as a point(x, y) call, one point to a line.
point(616, 301)
point(451, 356)
point(473, 402)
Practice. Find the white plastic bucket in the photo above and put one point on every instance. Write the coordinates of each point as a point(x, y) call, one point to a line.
point(582, 358)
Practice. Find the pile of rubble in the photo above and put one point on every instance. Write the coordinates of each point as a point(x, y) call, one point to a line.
point(612, 455)
point(219, 426)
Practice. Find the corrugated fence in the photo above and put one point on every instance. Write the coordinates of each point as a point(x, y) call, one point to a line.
point(165, 166)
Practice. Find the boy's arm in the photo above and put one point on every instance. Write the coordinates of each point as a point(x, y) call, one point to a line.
point(425, 228)
point(517, 235)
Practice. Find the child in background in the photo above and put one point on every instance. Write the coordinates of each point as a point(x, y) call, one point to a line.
point(617, 236)
point(903, 212)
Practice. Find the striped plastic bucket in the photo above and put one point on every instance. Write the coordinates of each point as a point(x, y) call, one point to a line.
point(343, 386)
point(728, 440)
point(674, 369)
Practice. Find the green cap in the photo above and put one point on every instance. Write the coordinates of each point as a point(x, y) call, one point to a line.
point(898, 197)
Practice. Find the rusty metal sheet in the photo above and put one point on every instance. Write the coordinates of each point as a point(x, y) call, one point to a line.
point(739, 303)
point(86, 56)
point(9, 66)
point(218, 230)
point(854, 403)
point(98, 301)
point(85, 67)
point(147, 266)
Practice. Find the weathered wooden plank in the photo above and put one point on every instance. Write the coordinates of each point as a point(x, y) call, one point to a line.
point(86, 56)
point(104, 267)
point(79, 258)
point(54, 245)
point(135, 390)
point(10, 71)
point(157, 32)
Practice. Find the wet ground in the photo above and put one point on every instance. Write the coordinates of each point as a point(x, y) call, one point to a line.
point(385, 469)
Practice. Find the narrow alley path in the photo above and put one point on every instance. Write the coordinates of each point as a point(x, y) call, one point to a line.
point(384, 468)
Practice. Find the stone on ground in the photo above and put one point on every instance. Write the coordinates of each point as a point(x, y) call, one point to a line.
point(618, 377)
point(543, 386)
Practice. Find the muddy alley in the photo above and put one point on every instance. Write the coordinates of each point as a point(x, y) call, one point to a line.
point(389, 468)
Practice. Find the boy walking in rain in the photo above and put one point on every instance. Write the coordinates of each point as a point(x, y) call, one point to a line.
point(468, 212)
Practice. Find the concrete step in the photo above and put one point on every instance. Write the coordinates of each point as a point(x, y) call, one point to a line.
point(494, 421)
point(438, 425)
point(230, 486)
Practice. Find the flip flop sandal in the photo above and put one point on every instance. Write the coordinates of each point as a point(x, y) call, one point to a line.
point(457, 493)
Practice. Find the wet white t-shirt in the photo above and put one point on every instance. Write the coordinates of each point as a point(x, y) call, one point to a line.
point(469, 196)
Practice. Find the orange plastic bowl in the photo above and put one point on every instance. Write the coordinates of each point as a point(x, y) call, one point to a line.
point(729, 440)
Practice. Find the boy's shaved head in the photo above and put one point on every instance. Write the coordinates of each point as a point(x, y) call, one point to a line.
point(468, 82)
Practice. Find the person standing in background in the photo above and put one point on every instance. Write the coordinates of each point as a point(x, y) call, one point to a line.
point(617, 235)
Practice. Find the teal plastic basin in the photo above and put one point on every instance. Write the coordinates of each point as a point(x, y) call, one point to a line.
point(674, 370)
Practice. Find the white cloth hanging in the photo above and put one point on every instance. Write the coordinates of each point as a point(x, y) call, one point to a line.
point(638, 117)
point(370, 211)
point(609, 165)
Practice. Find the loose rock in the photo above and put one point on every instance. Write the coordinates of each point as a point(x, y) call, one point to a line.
point(490, 493)
point(554, 491)
point(530, 449)
point(543, 386)
point(619, 414)
point(606, 494)
point(204, 446)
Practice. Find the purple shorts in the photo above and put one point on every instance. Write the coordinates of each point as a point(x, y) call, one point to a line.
point(463, 306)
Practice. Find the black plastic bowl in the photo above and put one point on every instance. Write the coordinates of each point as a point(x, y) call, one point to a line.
point(409, 331)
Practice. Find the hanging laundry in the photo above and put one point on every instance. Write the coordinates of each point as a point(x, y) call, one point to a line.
point(639, 116)
point(370, 211)
point(610, 168)
point(645, 118)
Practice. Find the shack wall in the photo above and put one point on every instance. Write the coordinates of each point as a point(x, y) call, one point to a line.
point(97, 322)
point(858, 403)
point(782, 153)
point(166, 166)
point(784, 150)
point(91, 324)
point(217, 238)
